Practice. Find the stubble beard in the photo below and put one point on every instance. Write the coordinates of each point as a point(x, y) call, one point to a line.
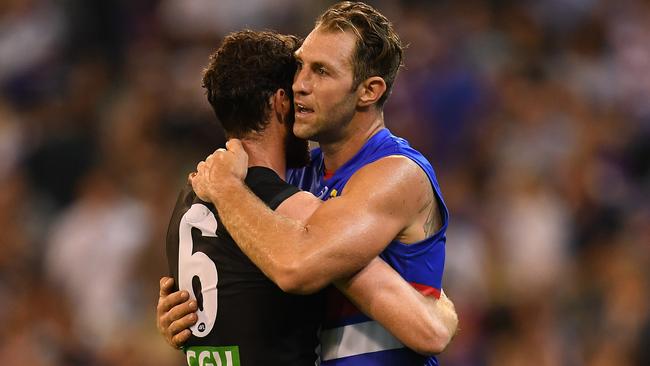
point(331, 127)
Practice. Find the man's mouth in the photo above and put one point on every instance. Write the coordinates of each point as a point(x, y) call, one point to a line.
point(302, 109)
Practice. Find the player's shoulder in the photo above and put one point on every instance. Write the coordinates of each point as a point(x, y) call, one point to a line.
point(261, 175)
point(394, 177)
point(186, 197)
point(390, 166)
point(262, 179)
point(269, 186)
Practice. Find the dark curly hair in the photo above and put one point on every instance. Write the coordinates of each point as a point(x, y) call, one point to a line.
point(379, 51)
point(248, 68)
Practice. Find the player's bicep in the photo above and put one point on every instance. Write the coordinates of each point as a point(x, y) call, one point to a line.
point(355, 227)
point(350, 233)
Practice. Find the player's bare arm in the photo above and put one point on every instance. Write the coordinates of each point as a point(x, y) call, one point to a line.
point(383, 201)
point(422, 323)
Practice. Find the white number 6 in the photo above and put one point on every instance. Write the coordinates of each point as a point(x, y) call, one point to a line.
point(198, 265)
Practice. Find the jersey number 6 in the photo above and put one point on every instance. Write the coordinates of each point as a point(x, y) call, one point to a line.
point(198, 265)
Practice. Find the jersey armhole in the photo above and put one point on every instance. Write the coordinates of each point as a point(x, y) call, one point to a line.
point(268, 186)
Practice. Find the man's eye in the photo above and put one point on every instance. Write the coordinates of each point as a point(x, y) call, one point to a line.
point(321, 71)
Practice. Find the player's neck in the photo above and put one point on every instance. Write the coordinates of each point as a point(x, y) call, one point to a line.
point(337, 153)
point(266, 151)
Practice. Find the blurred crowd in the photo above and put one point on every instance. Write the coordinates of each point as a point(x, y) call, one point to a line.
point(535, 115)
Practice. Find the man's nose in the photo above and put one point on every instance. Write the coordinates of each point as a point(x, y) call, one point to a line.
point(301, 82)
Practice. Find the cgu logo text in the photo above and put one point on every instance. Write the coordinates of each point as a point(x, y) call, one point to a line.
point(213, 356)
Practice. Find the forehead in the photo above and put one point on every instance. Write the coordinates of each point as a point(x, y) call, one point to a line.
point(333, 47)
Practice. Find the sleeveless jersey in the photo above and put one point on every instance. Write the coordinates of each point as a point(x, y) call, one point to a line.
point(244, 318)
point(349, 337)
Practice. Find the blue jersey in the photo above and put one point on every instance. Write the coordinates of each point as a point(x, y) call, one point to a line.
point(349, 337)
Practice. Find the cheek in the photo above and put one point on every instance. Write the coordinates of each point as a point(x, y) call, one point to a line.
point(341, 107)
point(330, 102)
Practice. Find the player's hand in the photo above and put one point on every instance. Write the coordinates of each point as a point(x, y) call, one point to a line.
point(174, 313)
point(448, 311)
point(446, 302)
point(220, 168)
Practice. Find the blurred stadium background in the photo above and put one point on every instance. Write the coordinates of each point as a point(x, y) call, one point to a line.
point(535, 114)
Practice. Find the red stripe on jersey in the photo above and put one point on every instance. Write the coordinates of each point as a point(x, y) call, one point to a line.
point(329, 174)
point(339, 307)
point(426, 290)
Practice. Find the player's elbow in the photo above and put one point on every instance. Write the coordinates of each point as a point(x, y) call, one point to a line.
point(431, 345)
point(434, 338)
point(439, 342)
point(296, 287)
point(296, 279)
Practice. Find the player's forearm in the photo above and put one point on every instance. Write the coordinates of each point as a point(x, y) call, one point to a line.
point(420, 323)
point(272, 241)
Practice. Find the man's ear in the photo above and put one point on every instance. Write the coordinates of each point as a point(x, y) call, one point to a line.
point(281, 104)
point(371, 91)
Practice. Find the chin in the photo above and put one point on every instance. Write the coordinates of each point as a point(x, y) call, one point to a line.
point(302, 132)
